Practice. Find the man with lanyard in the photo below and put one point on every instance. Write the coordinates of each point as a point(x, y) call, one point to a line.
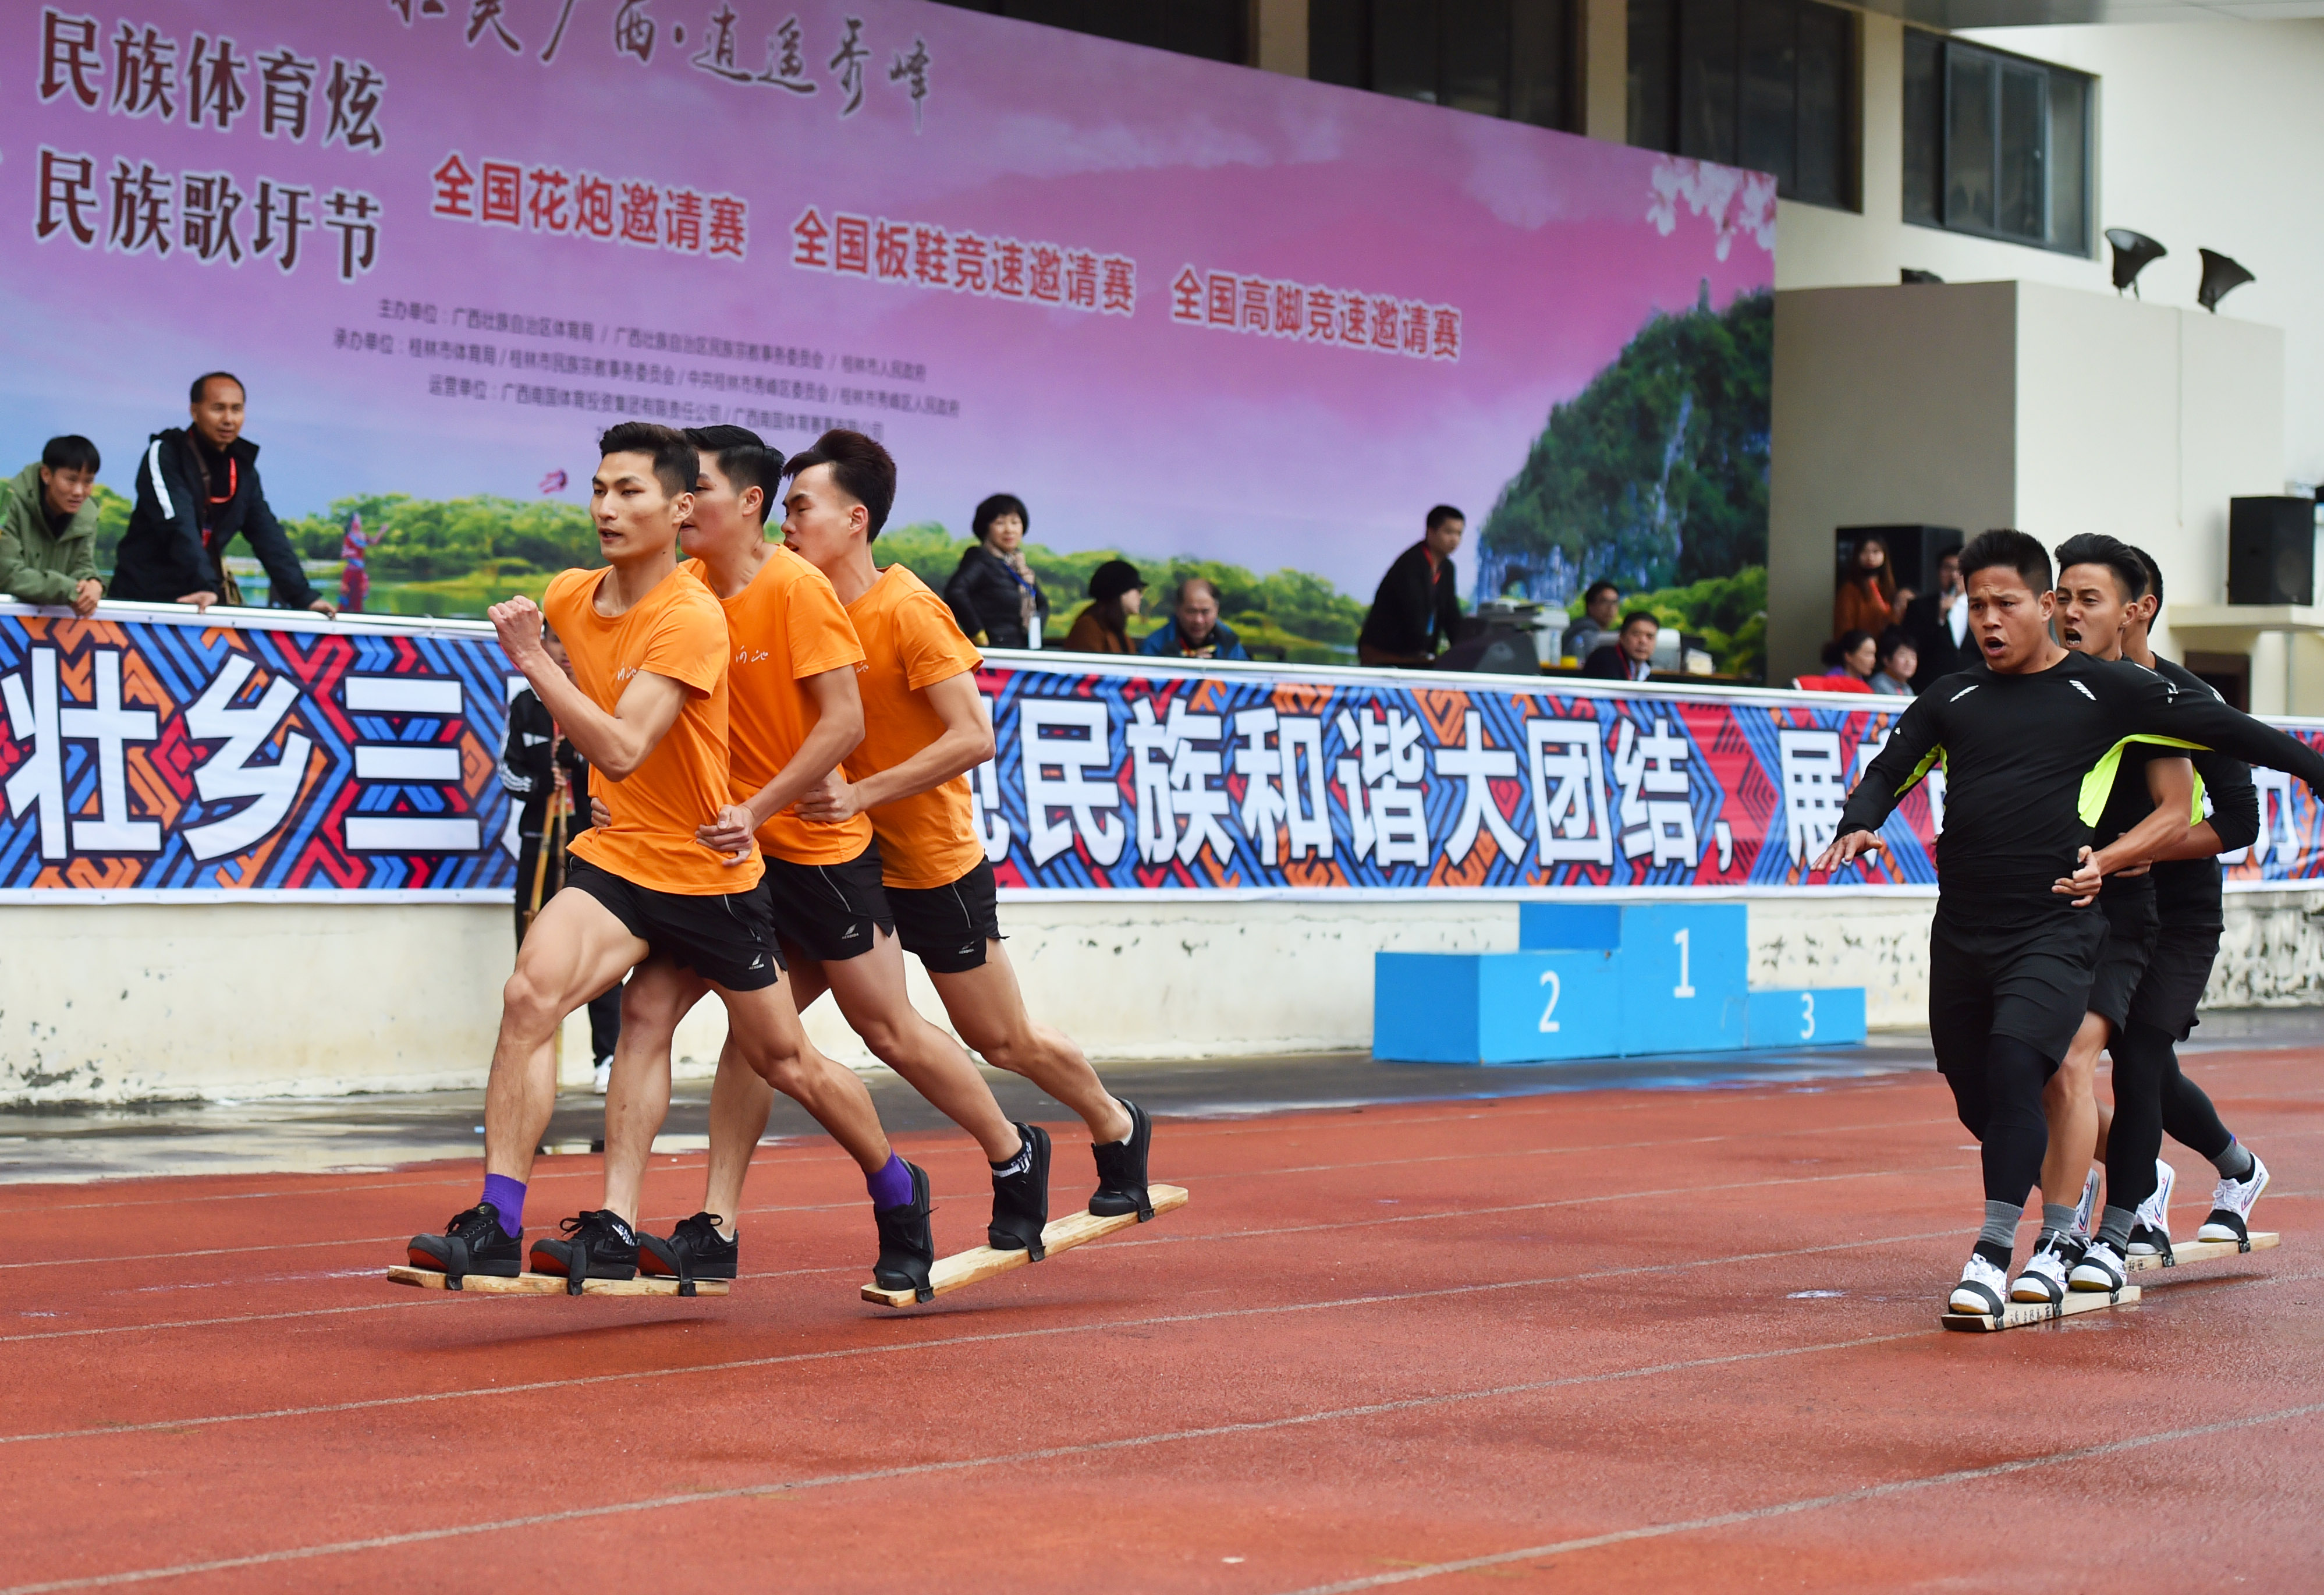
point(2028, 735)
point(198, 490)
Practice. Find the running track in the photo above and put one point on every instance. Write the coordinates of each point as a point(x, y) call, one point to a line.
point(1613, 1341)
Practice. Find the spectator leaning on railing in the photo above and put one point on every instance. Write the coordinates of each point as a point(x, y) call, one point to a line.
point(48, 528)
point(196, 491)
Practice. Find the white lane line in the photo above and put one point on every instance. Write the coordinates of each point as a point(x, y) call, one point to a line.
point(1367, 1223)
point(836, 1353)
point(956, 1465)
point(1069, 1189)
point(1871, 1492)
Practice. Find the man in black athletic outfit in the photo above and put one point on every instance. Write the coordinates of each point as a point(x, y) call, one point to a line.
point(2029, 736)
point(2150, 1094)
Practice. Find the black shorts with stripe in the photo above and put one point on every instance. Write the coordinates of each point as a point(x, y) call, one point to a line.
point(828, 912)
point(948, 927)
point(729, 940)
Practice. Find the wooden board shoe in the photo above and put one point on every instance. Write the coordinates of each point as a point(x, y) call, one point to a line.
point(2018, 1315)
point(2200, 1251)
point(550, 1284)
point(981, 1263)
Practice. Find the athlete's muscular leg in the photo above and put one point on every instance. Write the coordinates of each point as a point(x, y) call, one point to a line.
point(739, 1102)
point(637, 1096)
point(989, 1011)
point(574, 950)
point(2070, 1104)
point(763, 1028)
point(869, 990)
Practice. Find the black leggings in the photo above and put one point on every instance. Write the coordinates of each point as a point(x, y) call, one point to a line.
point(2001, 1105)
point(2151, 1095)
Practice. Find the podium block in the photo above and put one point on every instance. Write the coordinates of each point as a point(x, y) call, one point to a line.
point(1569, 926)
point(1827, 1016)
point(1685, 973)
point(1496, 1007)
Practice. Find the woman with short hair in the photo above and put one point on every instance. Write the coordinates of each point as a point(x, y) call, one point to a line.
point(994, 595)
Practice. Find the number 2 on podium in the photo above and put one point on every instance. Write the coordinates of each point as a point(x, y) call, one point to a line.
point(1685, 988)
point(1549, 977)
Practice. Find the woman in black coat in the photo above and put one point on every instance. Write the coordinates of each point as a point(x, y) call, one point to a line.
point(994, 595)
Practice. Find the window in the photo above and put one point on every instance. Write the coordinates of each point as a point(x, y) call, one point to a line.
point(1498, 58)
point(1764, 84)
point(1212, 29)
point(1995, 145)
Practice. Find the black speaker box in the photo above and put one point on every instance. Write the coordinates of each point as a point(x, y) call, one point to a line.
point(1913, 551)
point(2271, 551)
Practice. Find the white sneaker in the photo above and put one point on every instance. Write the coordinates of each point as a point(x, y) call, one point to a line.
point(2151, 1234)
point(1983, 1288)
point(2231, 1205)
point(601, 1076)
point(2088, 1207)
point(2043, 1278)
point(2101, 1269)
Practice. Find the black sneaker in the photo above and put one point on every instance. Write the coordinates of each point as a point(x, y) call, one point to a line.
point(1121, 1171)
point(472, 1243)
point(597, 1246)
point(694, 1250)
point(907, 1247)
point(1020, 1200)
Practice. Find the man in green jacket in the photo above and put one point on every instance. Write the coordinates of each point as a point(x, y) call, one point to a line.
point(48, 528)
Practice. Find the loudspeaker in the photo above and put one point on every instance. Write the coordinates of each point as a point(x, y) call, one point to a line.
point(1913, 551)
point(2271, 551)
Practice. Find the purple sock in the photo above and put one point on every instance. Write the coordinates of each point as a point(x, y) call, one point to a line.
point(892, 1185)
point(506, 1197)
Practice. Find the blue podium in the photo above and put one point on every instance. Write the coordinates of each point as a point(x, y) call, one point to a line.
point(1598, 981)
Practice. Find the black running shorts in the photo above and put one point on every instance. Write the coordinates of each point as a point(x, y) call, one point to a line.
point(828, 912)
point(947, 927)
point(2177, 972)
point(2131, 927)
point(727, 940)
point(2030, 981)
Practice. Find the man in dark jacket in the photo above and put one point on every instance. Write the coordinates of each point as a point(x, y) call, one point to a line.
point(1418, 605)
point(541, 770)
point(1936, 624)
point(196, 491)
point(1193, 631)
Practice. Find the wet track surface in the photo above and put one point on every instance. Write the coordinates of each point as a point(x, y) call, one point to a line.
point(1603, 1339)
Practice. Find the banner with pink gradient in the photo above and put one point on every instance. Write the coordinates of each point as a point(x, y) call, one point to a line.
point(1181, 308)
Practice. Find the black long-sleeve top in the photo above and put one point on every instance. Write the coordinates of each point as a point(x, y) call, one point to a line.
point(1418, 607)
point(2030, 760)
point(191, 503)
point(525, 769)
point(2188, 890)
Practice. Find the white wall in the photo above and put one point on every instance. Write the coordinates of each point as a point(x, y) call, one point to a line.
point(130, 1003)
point(2210, 135)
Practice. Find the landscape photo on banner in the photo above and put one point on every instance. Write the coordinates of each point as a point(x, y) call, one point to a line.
point(1217, 320)
point(169, 756)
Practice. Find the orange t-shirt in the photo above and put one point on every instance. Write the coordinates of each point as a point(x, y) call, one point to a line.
point(912, 642)
point(677, 630)
point(787, 624)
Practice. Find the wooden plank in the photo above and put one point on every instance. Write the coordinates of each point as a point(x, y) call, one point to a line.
point(981, 1263)
point(550, 1284)
point(2018, 1315)
point(2200, 1251)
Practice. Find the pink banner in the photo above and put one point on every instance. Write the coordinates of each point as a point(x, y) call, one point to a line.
point(1180, 307)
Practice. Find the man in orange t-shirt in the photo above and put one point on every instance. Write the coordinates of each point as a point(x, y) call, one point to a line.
point(647, 706)
point(794, 714)
point(925, 728)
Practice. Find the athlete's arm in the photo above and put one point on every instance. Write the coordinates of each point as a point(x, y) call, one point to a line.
point(1911, 750)
point(2205, 721)
point(2163, 834)
point(839, 726)
point(617, 743)
point(966, 743)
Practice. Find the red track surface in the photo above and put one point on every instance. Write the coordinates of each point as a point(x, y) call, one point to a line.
point(1558, 1336)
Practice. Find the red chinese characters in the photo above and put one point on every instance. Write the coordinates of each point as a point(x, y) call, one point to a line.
point(923, 254)
point(584, 204)
point(1264, 307)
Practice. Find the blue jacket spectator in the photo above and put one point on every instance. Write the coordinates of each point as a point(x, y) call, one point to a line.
point(1193, 631)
